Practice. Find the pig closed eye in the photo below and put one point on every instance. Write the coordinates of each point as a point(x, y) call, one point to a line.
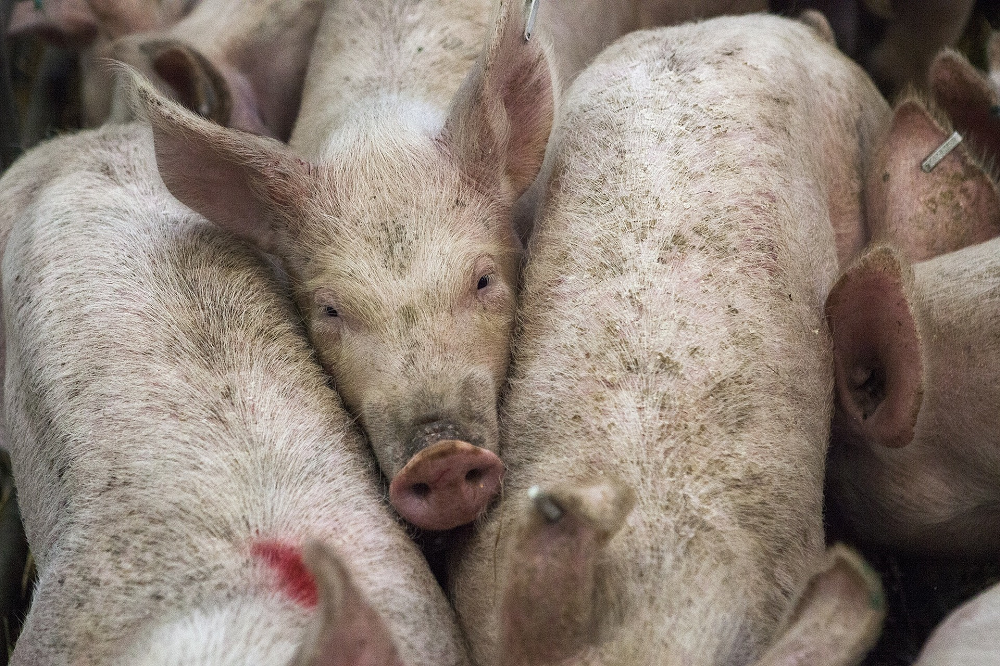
point(484, 281)
point(330, 311)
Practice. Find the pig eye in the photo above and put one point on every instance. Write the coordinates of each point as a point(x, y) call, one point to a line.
point(485, 281)
point(330, 311)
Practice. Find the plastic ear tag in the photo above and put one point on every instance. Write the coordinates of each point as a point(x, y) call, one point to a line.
point(531, 6)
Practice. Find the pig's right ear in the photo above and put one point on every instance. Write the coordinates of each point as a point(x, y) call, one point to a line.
point(63, 22)
point(246, 184)
point(501, 117)
point(549, 609)
point(878, 361)
point(835, 620)
point(346, 630)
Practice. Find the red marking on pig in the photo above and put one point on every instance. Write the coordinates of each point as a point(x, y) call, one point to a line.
point(294, 578)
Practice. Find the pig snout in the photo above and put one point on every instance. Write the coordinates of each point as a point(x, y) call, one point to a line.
point(448, 484)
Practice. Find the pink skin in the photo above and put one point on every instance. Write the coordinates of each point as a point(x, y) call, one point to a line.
point(446, 485)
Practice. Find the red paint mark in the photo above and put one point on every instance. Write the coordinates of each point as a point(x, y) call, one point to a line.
point(294, 578)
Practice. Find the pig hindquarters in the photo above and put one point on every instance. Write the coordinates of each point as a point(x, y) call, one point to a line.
point(671, 339)
point(175, 444)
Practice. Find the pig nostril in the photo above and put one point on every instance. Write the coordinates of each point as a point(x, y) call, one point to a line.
point(421, 489)
point(474, 475)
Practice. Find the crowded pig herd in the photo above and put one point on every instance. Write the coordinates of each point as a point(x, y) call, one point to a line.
point(615, 299)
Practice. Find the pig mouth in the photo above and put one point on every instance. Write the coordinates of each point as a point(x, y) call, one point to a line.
point(447, 484)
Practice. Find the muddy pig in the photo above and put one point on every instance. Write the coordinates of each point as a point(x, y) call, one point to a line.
point(176, 446)
point(671, 337)
point(392, 214)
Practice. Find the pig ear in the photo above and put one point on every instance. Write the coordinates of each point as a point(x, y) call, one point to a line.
point(195, 81)
point(501, 117)
point(878, 357)
point(925, 214)
point(835, 620)
point(548, 609)
point(209, 89)
point(247, 185)
point(346, 631)
point(63, 22)
point(816, 20)
point(972, 104)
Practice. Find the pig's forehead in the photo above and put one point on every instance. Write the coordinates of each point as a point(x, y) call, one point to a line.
point(416, 203)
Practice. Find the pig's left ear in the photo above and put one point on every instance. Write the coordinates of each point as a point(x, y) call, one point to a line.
point(501, 116)
point(968, 97)
point(246, 184)
point(878, 357)
point(346, 630)
point(835, 620)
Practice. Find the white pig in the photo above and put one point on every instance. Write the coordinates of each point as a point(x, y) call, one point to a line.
point(176, 446)
point(671, 337)
point(392, 215)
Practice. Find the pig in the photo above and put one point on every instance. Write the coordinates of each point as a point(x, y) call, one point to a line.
point(671, 339)
point(238, 63)
point(392, 214)
point(914, 464)
point(192, 489)
point(968, 635)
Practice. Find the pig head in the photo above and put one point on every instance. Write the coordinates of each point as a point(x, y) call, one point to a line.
point(914, 459)
point(402, 257)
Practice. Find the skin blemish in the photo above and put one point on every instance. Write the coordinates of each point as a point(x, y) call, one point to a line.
point(294, 578)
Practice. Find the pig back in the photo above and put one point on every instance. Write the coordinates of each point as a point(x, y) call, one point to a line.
point(671, 333)
point(168, 423)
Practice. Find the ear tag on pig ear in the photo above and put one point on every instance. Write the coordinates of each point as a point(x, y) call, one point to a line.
point(942, 152)
point(546, 506)
point(531, 6)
